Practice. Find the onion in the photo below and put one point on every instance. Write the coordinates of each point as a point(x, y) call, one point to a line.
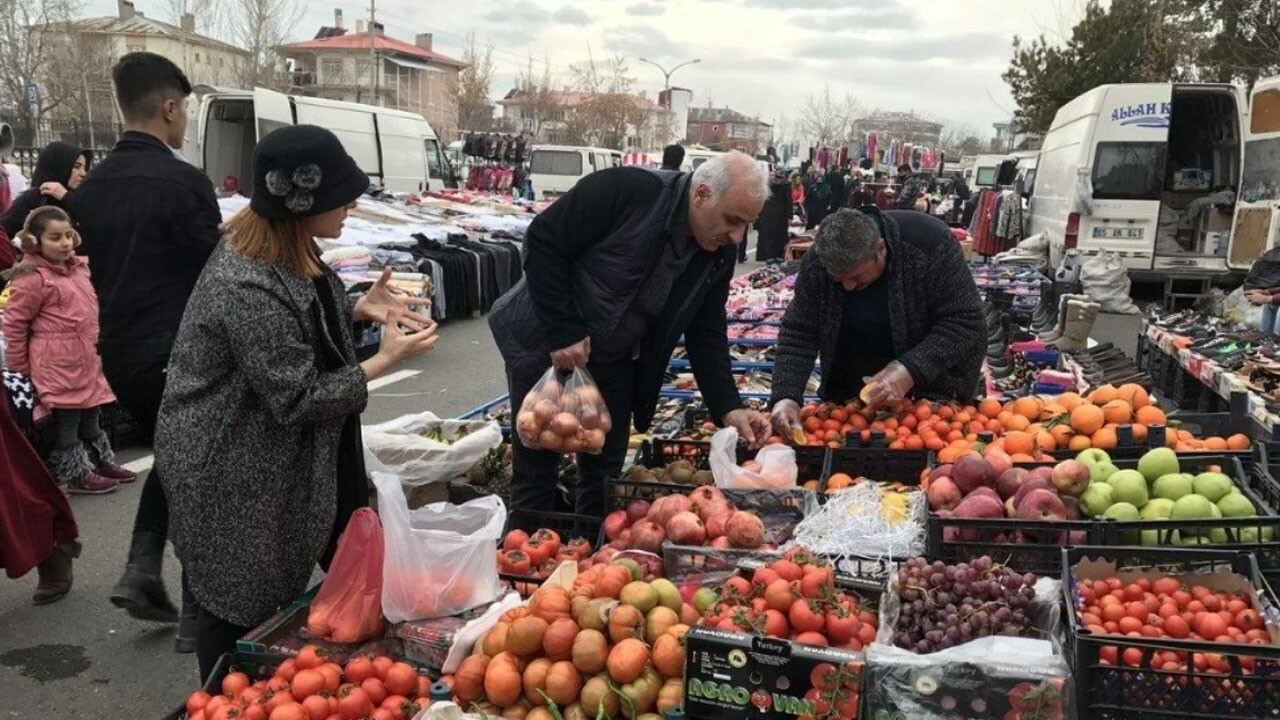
point(545, 410)
point(565, 424)
point(527, 423)
point(549, 441)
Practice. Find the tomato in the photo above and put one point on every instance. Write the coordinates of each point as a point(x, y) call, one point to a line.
point(317, 707)
point(332, 676)
point(359, 668)
point(197, 701)
point(375, 689)
point(353, 703)
point(775, 624)
point(309, 657)
point(424, 683)
point(234, 684)
point(804, 618)
point(290, 711)
point(778, 595)
point(402, 679)
point(287, 669)
point(841, 627)
point(381, 665)
point(306, 683)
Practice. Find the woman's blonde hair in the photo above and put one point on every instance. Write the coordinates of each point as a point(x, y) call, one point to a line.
point(37, 222)
point(285, 243)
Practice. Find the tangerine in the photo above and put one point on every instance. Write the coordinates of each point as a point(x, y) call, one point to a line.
point(1239, 441)
point(1134, 394)
point(1080, 442)
point(1149, 415)
point(1215, 443)
point(1018, 443)
point(1104, 438)
point(1028, 407)
point(1017, 423)
point(1070, 400)
point(1087, 419)
point(989, 407)
point(1103, 394)
point(1118, 412)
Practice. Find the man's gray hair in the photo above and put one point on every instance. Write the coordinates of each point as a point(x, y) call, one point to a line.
point(846, 238)
point(722, 171)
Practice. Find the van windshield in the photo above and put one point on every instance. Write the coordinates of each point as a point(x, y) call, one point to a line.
point(555, 162)
point(1261, 178)
point(434, 168)
point(1129, 170)
point(986, 177)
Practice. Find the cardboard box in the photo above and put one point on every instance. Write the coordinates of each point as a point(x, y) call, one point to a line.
point(729, 674)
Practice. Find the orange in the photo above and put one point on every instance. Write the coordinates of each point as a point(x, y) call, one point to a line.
point(1017, 423)
point(1134, 394)
point(1021, 457)
point(1070, 400)
point(989, 407)
point(1087, 419)
point(1062, 435)
point(1150, 415)
point(949, 454)
point(1239, 441)
point(1117, 411)
point(1139, 434)
point(1028, 407)
point(1052, 410)
point(1103, 394)
point(1104, 438)
point(1079, 442)
point(1215, 443)
point(1045, 442)
point(1004, 416)
point(1018, 443)
point(913, 443)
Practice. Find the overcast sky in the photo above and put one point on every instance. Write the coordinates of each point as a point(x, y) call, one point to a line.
point(939, 58)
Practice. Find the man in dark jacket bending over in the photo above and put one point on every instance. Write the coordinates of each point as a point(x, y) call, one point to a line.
point(885, 296)
point(616, 271)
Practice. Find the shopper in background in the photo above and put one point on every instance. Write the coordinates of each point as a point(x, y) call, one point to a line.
point(775, 219)
point(672, 157)
point(817, 199)
point(886, 300)
point(60, 168)
point(149, 221)
point(1262, 287)
point(616, 271)
point(37, 527)
point(266, 354)
point(839, 196)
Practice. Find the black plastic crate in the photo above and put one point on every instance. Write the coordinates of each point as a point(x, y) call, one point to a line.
point(1125, 692)
point(877, 463)
point(1028, 546)
point(567, 525)
point(256, 665)
point(1265, 475)
point(1200, 424)
point(865, 577)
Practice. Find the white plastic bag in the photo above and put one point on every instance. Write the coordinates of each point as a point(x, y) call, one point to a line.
point(776, 465)
point(471, 633)
point(400, 447)
point(439, 558)
point(1106, 281)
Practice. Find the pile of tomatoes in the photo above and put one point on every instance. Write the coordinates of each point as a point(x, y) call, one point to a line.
point(308, 687)
point(794, 598)
point(1166, 608)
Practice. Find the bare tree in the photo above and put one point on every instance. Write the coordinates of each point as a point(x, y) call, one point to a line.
point(471, 89)
point(33, 37)
point(610, 112)
point(540, 103)
point(206, 13)
point(259, 27)
point(957, 135)
point(828, 120)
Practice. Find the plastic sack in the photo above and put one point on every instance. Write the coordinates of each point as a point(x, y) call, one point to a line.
point(775, 465)
point(348, 607)
point(1240, 311)
point(564, 412)
point(424, 449)
point(439, 558)
point(1106, 281)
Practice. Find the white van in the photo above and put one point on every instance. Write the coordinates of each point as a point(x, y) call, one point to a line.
point(1142, 169)
point(982, 173)
point(555, 169)
point(695, 156)
point(398, 150)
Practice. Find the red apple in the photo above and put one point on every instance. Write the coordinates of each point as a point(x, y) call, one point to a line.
point(943, 494)
point(1009, 481)
point(1071, 477)
point(1042, 505)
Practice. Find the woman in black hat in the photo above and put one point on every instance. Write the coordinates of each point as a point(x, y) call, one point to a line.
point(258, 435)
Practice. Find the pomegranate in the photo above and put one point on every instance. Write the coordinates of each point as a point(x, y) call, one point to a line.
point(744, 530)
point(704, 496)
point(715, 508)
point(715, 524)
point(664, 508)
point(685, 528)
point(614, 523)
point(648, 536)
point(720, 543)
point(637, 510)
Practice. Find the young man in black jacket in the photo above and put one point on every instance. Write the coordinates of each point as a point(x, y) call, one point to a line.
point(616, 271)
point(884, 296)
point(148, 221)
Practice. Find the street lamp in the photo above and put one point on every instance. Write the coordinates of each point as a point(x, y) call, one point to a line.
point(666, 84)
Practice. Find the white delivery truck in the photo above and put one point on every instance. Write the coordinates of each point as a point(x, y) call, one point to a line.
point(398, 150)
point(1151, 171)
point(555, 169)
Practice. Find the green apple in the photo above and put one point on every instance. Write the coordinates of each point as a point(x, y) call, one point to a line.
point(1153, 538)
point(1122, 511)
point(1218, 535)
point(1130, 488)
point(1192, 507)
point(1213, 485)
point(1157, 509)
point(1093, 456)
point(1097, 498)
point(1215, 511)
point(1157, 462)
point(1235, 504)
point(1251, 535)
point(1101, 472)
point(1193, 540)
point(1171, 486)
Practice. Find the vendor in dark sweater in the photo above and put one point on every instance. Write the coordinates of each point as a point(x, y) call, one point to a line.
point(616, 271)
point(885, 297)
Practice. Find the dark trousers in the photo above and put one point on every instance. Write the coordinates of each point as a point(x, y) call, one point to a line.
point(139, 387)
point(214, 636)
point(71, 427)
point(534, 472)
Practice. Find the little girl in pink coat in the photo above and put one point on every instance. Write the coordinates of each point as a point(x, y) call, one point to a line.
point(51, 334)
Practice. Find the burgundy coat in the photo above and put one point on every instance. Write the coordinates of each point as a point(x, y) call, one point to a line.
point(51, 333)
point(34, 514)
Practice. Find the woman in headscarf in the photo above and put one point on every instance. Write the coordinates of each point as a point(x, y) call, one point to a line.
point(59, 169)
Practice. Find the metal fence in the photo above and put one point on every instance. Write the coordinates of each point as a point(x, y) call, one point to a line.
point(30, 136)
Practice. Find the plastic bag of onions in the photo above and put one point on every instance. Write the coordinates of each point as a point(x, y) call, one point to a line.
point(564, 412)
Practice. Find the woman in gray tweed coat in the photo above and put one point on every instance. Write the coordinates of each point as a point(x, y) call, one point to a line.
point(886, 296)
point(258, 435)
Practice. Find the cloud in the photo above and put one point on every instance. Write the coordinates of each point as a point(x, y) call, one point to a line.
point(569, 15)
point(642, 40)
point(799, 4)
point(961, 46)
point(518, 14)
point(878, 18)
point(646, 10)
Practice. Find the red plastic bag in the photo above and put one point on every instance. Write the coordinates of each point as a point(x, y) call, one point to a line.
point(348, 607)
point(564, 412)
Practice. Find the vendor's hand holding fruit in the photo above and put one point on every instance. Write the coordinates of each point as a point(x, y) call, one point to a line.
point(752, 427)
point(377, 304)
point(786, 418)
point(574, 356)
point(888, 386)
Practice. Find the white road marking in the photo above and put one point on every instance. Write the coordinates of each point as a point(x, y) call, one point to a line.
point(394, 377)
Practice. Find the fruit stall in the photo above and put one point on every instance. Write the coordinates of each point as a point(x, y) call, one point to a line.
point(1098, 551)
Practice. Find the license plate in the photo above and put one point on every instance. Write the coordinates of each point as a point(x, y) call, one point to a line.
point(1117, 233)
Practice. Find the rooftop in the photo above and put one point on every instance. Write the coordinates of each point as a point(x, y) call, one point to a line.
point(139, 24)
point(360, 42)
point(721, 115)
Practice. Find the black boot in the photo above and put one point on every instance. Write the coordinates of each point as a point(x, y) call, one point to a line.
point(140, 591)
